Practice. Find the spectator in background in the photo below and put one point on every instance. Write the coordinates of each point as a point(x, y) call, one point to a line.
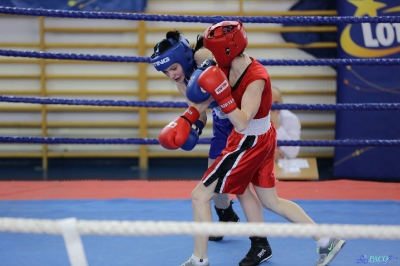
point(287, 126)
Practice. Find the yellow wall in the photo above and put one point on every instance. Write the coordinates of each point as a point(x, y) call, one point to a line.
point(97, 80)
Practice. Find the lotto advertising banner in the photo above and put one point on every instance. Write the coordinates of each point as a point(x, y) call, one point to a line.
point(361, 84)
point(83, 5)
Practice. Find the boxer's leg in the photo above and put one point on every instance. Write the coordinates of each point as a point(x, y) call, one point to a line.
point(260, 249)
point(201, 197)
point(223, 207)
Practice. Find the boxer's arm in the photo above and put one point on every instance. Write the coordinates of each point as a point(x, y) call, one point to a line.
point(251, 101)
point(203, 115)
point(202, 107)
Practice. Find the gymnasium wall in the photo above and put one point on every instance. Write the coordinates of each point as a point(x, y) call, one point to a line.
point(95, 80)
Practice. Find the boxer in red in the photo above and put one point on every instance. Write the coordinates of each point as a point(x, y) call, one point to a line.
point(242, 88)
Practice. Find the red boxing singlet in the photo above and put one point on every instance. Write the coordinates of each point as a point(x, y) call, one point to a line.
point(247, 158)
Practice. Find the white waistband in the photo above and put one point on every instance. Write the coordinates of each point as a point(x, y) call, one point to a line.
point(257, 126)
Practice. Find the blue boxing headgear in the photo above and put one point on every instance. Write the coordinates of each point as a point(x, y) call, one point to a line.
point(180, 52)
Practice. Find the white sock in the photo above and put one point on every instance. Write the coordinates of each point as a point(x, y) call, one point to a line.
point(199, 261)
point(323, 242)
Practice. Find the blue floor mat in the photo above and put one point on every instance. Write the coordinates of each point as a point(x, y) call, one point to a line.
point(33, 249)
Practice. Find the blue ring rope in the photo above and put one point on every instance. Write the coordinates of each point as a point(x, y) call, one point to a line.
point(196, 19)
point(154, 104)
point(146, 59)
point(145, 141)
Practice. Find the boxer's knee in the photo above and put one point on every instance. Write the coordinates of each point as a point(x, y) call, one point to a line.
point(202, 194)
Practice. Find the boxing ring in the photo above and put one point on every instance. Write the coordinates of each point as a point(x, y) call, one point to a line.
point(385, 234)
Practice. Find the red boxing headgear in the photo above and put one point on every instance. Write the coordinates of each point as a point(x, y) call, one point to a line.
point(226, 40)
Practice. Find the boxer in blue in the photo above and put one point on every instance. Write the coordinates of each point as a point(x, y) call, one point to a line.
point(176, 59)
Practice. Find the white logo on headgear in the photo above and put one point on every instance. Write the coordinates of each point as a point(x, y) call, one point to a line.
point(221, 87)
point(161, 62)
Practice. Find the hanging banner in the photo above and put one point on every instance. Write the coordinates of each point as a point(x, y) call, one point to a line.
point(372, 84)
point(82, 5)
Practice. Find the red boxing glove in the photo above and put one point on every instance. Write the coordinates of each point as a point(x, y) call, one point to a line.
point(214, 81)
point(175, 134)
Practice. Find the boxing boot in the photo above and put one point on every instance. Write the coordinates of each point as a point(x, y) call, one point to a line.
point(225, 215)
point(259, 252)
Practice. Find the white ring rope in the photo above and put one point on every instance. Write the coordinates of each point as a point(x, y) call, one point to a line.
point(153, 228)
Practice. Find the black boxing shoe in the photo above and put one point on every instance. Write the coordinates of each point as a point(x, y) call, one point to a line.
point(225, 215)
point(259, 252)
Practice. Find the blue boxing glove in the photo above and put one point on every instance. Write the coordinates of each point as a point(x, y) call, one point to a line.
point(194, 92)
point(191, 141)
point(193, 138)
